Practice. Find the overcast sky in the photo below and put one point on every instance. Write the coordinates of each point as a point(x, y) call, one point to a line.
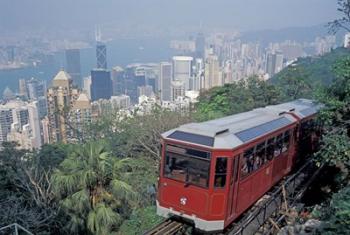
point(243, 15)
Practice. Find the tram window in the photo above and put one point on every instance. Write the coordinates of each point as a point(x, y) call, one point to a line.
point(192, 170)
point(220, 172)
point(248, 162)
point(278, 145)
point(270, 149)
point(260, 157)
point(286, 140)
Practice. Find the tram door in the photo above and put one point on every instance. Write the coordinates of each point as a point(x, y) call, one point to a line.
point(232, 195)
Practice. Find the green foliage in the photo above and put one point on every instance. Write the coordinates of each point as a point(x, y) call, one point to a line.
point(136, 135)
point(25, 195)
point(337, 214)
point(335, 150)
point(92, 193)
point(140, 221)
point(51, 155)
point(294, 83)
point(336, 117)
point(235, 98)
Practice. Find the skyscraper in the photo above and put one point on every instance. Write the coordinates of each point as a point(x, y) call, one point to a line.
point(101, 55)
point(60, 98)
point(37, 92)
point(73, 65)
point(200, 46)
point(165, 78)
point(101, 84)
point(182, 70)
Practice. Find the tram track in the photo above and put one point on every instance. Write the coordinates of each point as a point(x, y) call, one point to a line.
point(167, 227)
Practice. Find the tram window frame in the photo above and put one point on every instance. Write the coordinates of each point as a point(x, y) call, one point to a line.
point(246, 164)
point(278, 145)
point(260, 153)
point(196, 176)
point(270, 148)
point(286, 141)
point(220, 173)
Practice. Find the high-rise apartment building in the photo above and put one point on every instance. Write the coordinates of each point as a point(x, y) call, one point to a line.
point(73, 65)
point(6, 120)
point(60, 97)
point(101, 84)
point(19, 122)
point(79, 117)
point(347, 40)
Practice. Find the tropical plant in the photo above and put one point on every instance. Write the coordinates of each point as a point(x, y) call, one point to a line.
point(88, 183)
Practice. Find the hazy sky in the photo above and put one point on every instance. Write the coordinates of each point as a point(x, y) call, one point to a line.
point(240, 14)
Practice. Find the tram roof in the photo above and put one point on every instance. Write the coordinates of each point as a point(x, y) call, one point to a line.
point(235, 130)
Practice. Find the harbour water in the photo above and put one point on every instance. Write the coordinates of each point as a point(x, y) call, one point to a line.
point(119, 52)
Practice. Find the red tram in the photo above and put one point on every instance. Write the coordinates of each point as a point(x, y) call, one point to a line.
point(212, 172)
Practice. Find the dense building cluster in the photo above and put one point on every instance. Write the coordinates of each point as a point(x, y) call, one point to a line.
point(37, 115)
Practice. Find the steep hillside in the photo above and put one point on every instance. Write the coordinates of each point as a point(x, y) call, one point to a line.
point(316, 71)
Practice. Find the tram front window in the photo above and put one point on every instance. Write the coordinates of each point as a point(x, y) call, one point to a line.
point(187, 165)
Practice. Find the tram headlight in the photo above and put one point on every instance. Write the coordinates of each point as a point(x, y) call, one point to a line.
point(183, 201)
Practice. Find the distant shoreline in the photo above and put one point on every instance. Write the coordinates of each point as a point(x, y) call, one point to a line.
point(13, 67)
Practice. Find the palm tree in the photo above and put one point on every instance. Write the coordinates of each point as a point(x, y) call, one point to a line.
point(90, 190)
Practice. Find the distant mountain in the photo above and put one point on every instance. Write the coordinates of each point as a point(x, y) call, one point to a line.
point(299, 34)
